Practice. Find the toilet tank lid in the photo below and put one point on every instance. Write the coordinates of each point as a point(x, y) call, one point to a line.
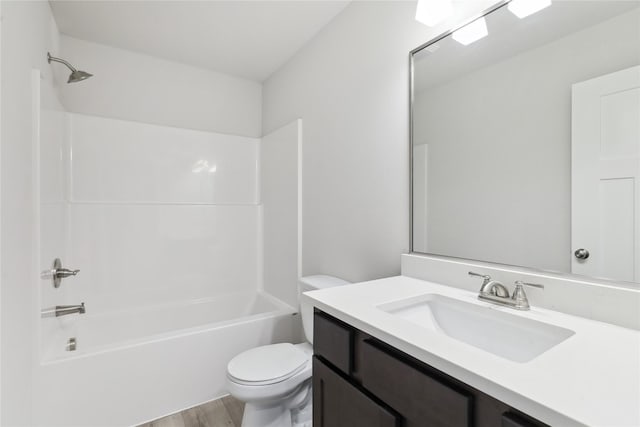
point(321, 281)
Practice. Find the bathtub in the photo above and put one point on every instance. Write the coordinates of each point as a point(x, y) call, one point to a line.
point(134, 365)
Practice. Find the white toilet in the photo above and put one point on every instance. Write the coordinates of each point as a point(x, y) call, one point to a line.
point(274, 380)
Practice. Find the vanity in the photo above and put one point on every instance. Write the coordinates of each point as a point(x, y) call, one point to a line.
point(378, 363)
point(360, 380)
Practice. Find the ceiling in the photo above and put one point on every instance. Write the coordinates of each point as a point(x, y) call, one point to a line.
point(249, 39)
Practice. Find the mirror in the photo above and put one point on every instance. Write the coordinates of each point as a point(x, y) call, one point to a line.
point(526, 143)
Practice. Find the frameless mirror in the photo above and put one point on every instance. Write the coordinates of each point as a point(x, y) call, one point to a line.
point(526, 142)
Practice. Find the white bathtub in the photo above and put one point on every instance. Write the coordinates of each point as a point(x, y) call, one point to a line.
point(135, 365)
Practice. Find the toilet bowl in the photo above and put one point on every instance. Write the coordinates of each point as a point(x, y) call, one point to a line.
point(274, 380)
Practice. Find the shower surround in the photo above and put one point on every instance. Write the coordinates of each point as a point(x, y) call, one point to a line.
point(165, 225)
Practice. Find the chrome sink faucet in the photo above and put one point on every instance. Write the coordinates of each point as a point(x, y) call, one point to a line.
point(491, 287)
point(495, 292)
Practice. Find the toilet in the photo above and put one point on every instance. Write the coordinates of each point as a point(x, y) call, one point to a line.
point(274, 380)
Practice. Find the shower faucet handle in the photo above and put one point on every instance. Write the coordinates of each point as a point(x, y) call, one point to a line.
point(57, 273)
point(65, 272)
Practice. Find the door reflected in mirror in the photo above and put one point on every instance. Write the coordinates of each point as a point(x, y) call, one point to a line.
point(526, 142)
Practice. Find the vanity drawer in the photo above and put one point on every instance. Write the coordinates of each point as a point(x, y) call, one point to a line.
point(333, 341)
point(338, 403)
point(422, 399)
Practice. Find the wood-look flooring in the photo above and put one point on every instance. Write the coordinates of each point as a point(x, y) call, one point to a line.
point(224, 412)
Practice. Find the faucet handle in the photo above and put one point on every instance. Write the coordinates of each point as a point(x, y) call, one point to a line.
point(520, 297)
point(486, 277)
point(535, 285)
point(57, 273)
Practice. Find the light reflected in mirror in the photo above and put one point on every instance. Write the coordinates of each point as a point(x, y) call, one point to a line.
point(526, 143)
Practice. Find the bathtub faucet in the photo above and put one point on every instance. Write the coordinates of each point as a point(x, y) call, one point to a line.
point(63, 310)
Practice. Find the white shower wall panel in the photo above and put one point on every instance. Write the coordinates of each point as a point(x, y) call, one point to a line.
point(53, 208)
point(54, 134)
point(123, 161)
point(152, 214)
point(140, 255)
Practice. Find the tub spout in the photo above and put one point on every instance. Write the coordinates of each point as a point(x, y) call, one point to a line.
point(63, 310)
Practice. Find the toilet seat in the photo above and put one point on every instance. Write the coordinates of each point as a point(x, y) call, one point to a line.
point(269, 364)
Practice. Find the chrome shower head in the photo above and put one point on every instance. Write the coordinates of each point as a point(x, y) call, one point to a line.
point(76, 75)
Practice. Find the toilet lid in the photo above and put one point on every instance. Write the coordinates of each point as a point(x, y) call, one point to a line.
point(269, 363)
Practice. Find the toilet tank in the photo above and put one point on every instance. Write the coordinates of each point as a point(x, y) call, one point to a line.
point(312, 283)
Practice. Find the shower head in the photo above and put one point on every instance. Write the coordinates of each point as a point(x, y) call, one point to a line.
point(76, 75)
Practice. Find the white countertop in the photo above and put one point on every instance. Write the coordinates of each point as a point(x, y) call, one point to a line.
point(592, 378)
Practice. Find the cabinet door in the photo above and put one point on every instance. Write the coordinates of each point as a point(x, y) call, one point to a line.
point(333, 340)
point(422, 400)
point(338, 403)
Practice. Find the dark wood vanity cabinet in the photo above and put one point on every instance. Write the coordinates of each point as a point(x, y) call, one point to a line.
point(339, 403)
point(359, 381)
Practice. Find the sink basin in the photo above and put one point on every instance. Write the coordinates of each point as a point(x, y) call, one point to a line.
point(506, 335)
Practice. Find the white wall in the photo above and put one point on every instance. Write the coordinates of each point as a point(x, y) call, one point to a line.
point(420, 200)
point(28, 31)
point(279, 182)
point(525, 219)
point(350, 85)
point(132, 86)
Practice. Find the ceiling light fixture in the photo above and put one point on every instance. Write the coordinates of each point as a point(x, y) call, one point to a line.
point(524, 8)
point(433, 12)
point(471, 32)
